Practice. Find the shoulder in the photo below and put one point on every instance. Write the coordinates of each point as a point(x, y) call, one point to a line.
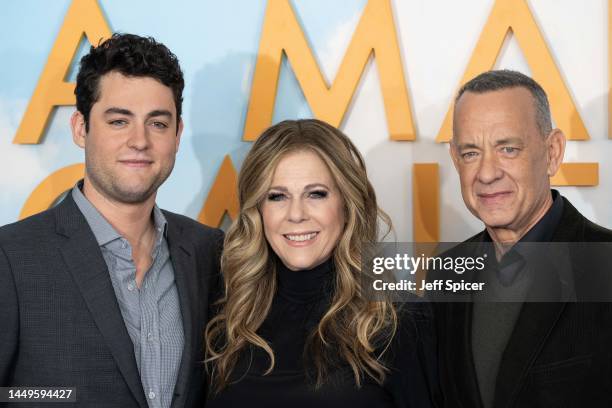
point(596, 233)
point(34, 229)
point(194, 230)
point(576, 227)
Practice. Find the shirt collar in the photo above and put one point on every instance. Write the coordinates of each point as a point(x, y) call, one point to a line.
point(542, 231)
point(101, 228)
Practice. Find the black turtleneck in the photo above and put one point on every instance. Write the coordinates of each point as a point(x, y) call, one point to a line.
point(301, 299)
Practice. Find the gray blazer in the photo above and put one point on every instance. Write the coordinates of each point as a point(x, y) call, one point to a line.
point(60, 324)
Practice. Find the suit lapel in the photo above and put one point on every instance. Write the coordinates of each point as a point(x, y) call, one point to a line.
point(535, 322)
point(183, 262)
point(82, 255)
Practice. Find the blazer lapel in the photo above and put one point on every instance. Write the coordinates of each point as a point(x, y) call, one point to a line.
point(532, 328)
point(183, 262)
point(536, 320)
point(82, 255)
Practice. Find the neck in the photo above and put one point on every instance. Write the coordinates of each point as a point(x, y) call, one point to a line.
point(505, 237)
point(305, 285)
point(132, 221)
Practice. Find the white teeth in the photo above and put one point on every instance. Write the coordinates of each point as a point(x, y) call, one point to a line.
point(300, 238)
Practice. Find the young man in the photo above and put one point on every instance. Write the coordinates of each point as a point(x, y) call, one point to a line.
point(106, 292)
point(522, 353)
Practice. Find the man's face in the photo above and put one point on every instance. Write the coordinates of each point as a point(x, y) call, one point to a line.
point(132, 139)
point(503, 160)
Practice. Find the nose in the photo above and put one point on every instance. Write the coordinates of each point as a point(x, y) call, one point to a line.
point(138, 138)
point(297, 211)
point(489, 170)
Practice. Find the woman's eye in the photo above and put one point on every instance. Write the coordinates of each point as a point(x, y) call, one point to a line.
point(318, 194)
point(275, 196)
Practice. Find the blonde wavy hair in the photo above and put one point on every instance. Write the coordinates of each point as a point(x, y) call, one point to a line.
point(354, 329)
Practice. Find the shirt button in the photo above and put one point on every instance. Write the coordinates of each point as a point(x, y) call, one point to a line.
point(151, 395)
point(150, 336)
point(130, 286)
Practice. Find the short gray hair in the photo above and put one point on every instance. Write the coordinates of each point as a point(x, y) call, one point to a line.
point(504, 79)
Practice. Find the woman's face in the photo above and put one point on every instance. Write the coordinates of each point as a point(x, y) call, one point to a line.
point(303, 213)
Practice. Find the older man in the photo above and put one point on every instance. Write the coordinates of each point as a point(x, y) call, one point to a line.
point(519, 353)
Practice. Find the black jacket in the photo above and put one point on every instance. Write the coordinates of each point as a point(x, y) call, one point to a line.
point(559, 353)
point(60, 322)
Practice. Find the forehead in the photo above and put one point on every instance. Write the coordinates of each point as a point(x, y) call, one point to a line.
point(114, 88)
point(301, 168)
point(493, 115)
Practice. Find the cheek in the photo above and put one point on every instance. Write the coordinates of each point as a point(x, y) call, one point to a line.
point(335, 218)
point(467, 176)
point(271, 219)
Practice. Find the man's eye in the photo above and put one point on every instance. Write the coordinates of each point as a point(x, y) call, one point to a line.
point(276, 197)
point(467, 156)
point(318, 194)
point(509, 150)
point(160, 125)
point(117, 122)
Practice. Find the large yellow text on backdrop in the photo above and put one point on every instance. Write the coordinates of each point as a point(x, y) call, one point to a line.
point(282, 35)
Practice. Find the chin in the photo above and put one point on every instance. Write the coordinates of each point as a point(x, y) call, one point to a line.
point(495, 220)
point(298, 264)
point(132, 195)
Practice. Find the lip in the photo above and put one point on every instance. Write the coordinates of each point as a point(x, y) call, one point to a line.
point(299, 244)
point(136, 163)
point(494, 198)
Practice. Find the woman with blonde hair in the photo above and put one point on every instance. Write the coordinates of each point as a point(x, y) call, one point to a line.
point(296, 326)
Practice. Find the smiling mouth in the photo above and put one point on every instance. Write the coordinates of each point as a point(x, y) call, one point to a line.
point(494, 197)
point(301, 237)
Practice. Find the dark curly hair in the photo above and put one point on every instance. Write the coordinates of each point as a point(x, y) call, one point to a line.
point(131, 55)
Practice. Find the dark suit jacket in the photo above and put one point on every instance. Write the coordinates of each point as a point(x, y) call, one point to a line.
point(559, 354)
point(60, 322)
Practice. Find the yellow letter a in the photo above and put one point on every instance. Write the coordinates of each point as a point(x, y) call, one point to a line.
point(222, 197)
point(514, 15)
point(83, 16)
point(374, 34)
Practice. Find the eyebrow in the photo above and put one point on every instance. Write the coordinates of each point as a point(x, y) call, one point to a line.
point(119, 111)
point(127, 112)
point(463, 146)
point(159, 112)
point(508, 140)
point(306, 187)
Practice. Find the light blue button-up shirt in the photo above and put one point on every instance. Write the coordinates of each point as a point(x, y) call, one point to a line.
point(151, 313)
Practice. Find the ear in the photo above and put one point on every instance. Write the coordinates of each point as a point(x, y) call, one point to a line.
point(454, 153)
point(77, 126)
point(555, 149)
point(179, 132)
